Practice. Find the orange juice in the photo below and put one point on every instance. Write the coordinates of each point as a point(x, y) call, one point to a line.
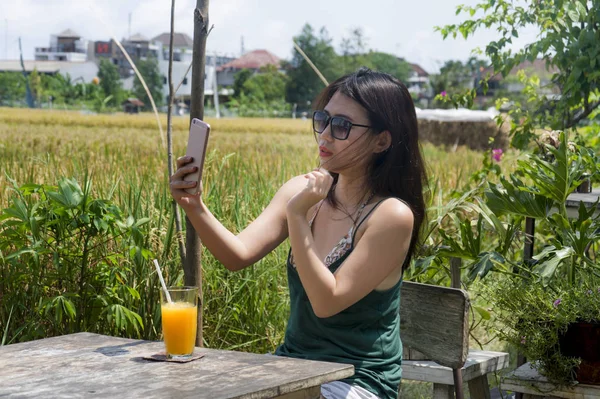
point(179, 327)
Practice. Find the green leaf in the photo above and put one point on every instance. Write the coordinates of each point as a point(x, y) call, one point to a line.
point(484, 265)
point(581, 10)
point(5, 334)
point(512, 198)
point(485, 315)
point(20, 252)
point(547, 269)
point(422, 264)
point(573, 15)
point(18, 210)
point(69, 308)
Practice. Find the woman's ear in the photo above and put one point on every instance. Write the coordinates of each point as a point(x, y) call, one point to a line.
point(383, 142)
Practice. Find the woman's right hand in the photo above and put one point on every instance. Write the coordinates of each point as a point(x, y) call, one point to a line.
point(177, 184)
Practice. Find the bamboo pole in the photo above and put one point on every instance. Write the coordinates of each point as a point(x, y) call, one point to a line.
point(192, 266)
point(176, 213)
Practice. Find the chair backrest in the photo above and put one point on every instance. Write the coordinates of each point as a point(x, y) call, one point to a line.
point(434, 320)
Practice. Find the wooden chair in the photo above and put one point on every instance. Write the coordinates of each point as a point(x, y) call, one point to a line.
point(434, 327)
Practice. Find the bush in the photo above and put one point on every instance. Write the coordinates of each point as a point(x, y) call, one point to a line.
point(68, 264)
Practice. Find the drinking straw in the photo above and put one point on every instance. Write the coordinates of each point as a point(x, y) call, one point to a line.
point(162, 281)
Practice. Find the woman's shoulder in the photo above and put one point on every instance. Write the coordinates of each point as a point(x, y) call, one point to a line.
point(293, 185)
point(391, 212)
point(289, 189)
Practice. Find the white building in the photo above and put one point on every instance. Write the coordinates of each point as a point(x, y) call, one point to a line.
point(65, 46)
point(418, 82)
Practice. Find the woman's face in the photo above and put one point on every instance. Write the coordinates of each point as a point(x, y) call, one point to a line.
point(336, 154)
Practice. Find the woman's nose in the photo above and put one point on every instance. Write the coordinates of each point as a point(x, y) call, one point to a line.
point(326, 134)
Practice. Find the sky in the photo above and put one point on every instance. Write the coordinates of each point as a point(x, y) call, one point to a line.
point(399, 27)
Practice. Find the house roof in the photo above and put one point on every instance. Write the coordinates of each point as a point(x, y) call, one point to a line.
point(253, 60)
point(69, 33)
point(538, 66)
point(138, 37)
point(179, 40)
point(133, 101)
point(418, 69)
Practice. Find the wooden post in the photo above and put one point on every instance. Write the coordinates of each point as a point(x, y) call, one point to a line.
point(527, 256)
point(455, 272)
point(529, 238)
point(192, 266)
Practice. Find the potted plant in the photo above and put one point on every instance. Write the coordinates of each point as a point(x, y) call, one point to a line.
point(549, 305)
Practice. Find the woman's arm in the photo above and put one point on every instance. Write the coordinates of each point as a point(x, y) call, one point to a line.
point(258, 239)
point(381, 250)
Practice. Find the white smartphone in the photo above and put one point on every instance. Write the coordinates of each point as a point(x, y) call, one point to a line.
point(196, 148)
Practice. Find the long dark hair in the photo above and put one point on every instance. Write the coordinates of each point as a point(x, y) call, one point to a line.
point(399, 171)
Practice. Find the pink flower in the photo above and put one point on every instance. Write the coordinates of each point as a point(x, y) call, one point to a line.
point(557, 302)
point(523, 340)
point(443, 94)
point(497, 154)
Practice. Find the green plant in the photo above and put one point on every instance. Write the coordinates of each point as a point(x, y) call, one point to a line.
point(64, 263)
point(534, 319)
point(539, 299)
point(539, 189)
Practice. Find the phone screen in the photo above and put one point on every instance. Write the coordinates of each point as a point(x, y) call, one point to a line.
point(196, 148)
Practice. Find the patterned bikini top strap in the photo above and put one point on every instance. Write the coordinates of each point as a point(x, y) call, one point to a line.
point(360, 210)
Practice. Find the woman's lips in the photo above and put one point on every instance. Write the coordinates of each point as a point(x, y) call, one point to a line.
point(323, 152)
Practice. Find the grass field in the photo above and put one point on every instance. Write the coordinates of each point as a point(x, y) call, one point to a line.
point(248, 160)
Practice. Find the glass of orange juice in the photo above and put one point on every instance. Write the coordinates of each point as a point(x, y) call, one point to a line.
point(179, 321)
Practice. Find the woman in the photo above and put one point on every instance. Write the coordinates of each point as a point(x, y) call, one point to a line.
point(353, 226)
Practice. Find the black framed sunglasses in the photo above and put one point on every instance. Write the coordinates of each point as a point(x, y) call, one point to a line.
point(340, 126)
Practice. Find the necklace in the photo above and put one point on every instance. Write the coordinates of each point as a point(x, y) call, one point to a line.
point(358, 211)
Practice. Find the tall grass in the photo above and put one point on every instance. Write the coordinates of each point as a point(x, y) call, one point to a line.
point(248, 160)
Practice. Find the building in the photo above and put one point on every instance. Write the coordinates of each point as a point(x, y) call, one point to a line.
point(65, 46)
point(418, 85)
point(67, 55)
point(139, 47)
point(253, 60)
point(132, 106)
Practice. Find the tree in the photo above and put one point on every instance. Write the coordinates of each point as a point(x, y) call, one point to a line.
point(12, 87)
point(110, 81)
point(388, 63)
point(304, 85)
point(353, 49)
point(568, 43)
point(268, 85)
point(262, 94)
point(238, 81)
point(149, 70)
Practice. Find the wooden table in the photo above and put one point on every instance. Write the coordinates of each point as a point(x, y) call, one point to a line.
point(90, 365)
point(528, 381)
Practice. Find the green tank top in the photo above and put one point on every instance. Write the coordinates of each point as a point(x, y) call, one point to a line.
point(366, 334)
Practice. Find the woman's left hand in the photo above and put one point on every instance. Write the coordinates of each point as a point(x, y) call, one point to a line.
point(318, 185)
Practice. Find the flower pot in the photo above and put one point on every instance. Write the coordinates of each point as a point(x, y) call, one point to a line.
point(582, 339)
